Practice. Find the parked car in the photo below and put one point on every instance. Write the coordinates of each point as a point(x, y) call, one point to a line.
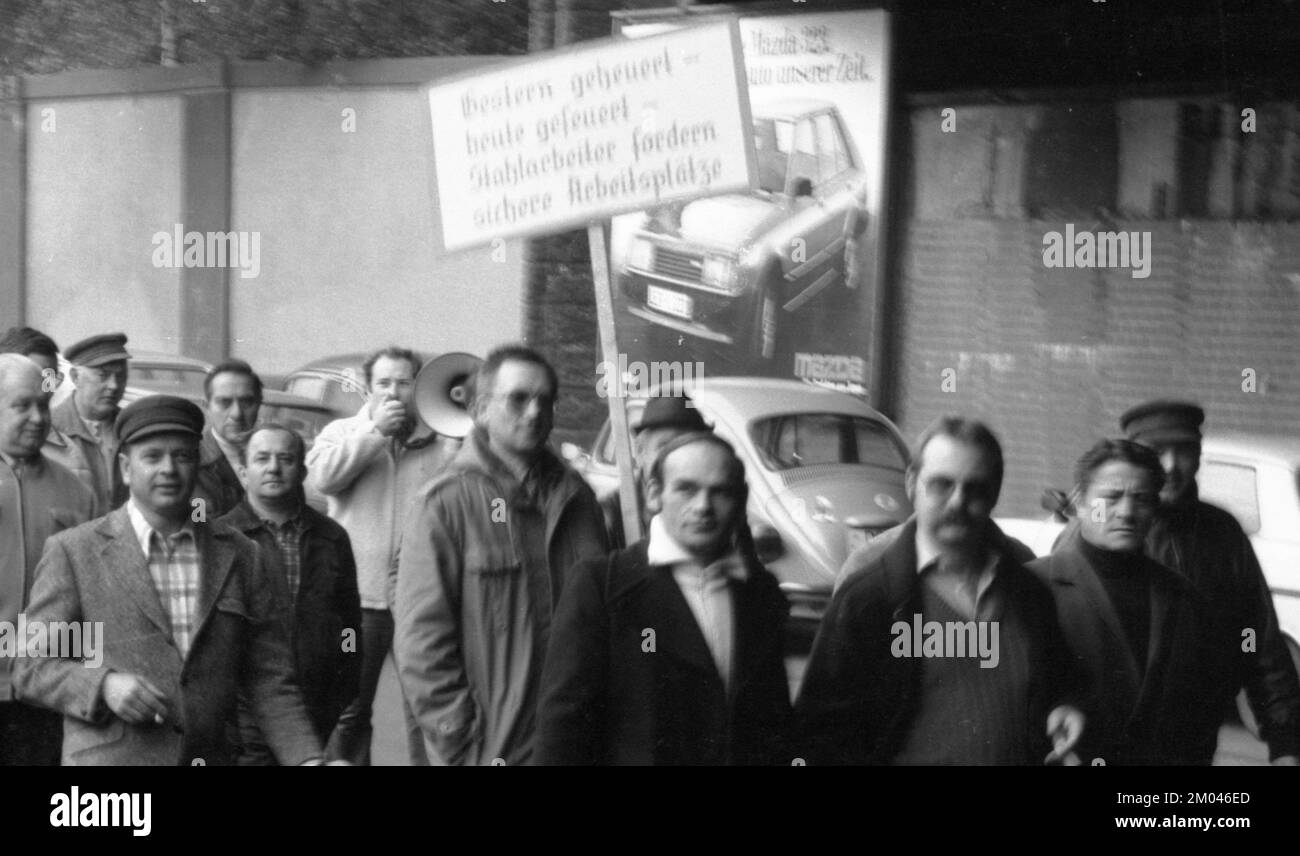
point(825, 474)
point(337, 382)
point(730, 268)
point(1257, 479)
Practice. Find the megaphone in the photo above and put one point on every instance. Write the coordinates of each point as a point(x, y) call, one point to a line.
point(442, 391)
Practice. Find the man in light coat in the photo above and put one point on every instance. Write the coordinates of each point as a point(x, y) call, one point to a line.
point(84, 439)
point(484, 556)
point(370, 467)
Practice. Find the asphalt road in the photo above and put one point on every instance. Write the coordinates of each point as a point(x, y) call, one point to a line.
point(1236, 745)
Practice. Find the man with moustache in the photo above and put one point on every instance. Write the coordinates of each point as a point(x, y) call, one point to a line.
point(84, 438)
point(672, 651)
point(233, 393)
point(484, 556)
point(370, 467)
point(866, 701)
point(309, 558)
point(1132, 624)
point(37, 499)
point(188, 614)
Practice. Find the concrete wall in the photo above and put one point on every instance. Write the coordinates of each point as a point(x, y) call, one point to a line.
point(103, 175)
point(349, 249)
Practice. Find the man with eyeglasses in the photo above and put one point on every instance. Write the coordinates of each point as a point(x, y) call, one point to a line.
point(84, 439)
point(370, 467)
point(945, 650)
point(484, 555)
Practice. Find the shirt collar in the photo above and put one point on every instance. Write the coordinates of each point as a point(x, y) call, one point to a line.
point(663, 550)
point(143, 530)
point(927, 554)
point(293, 523)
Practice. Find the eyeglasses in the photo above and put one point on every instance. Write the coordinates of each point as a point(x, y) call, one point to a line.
point(519, 401)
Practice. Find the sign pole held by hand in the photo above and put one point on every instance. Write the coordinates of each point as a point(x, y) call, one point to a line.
point(627, 487)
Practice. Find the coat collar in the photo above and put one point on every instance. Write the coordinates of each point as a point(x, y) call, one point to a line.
point(67, 422)
point(122, 557)
point(678, 634)
point(245, 519)
point(1073, 578)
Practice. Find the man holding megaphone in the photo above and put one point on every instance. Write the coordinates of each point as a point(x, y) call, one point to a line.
point(369, 467)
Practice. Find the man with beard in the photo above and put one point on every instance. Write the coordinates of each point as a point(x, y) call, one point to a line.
point(233, 393)
point(873, 695)
point(485, 553)
point(84, 438)
point(370, 467)
point(37, 499)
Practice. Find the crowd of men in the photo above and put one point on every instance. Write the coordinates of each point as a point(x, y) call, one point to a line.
point(241, 626)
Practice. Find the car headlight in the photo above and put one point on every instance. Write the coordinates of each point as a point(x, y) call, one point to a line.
point(640, 255)
point(718, 272)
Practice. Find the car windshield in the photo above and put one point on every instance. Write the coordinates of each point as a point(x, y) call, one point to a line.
point(808, 439)
point(772, 142)
point(331, 392)
point(307, 423)
point(176, 380)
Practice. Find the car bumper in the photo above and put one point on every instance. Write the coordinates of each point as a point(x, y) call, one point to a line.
point(714, 316)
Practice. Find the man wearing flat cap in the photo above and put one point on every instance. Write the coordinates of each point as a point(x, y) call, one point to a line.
point(664, 419)
point(1208, 546)
point(185, 618)
point(83, 438)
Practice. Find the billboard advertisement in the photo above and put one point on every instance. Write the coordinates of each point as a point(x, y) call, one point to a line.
point(781, 280)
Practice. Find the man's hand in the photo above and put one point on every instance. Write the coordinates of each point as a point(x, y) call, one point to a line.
point(1064, 727)
point(134, 699)
point(390, 418)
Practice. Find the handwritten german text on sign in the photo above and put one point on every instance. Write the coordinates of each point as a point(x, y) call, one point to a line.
point(584, 134)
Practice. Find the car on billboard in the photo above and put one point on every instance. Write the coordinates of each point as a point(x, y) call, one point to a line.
point(731, 269)
point(1257, 479)
point(825, 474)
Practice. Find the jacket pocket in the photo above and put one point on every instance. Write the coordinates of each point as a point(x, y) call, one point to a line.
point(234, 608)
point(80, 738)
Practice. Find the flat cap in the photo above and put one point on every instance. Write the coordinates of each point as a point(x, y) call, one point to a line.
point(158, 414)
point(671, 411)
point(97, 350)
point(1157, 422)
